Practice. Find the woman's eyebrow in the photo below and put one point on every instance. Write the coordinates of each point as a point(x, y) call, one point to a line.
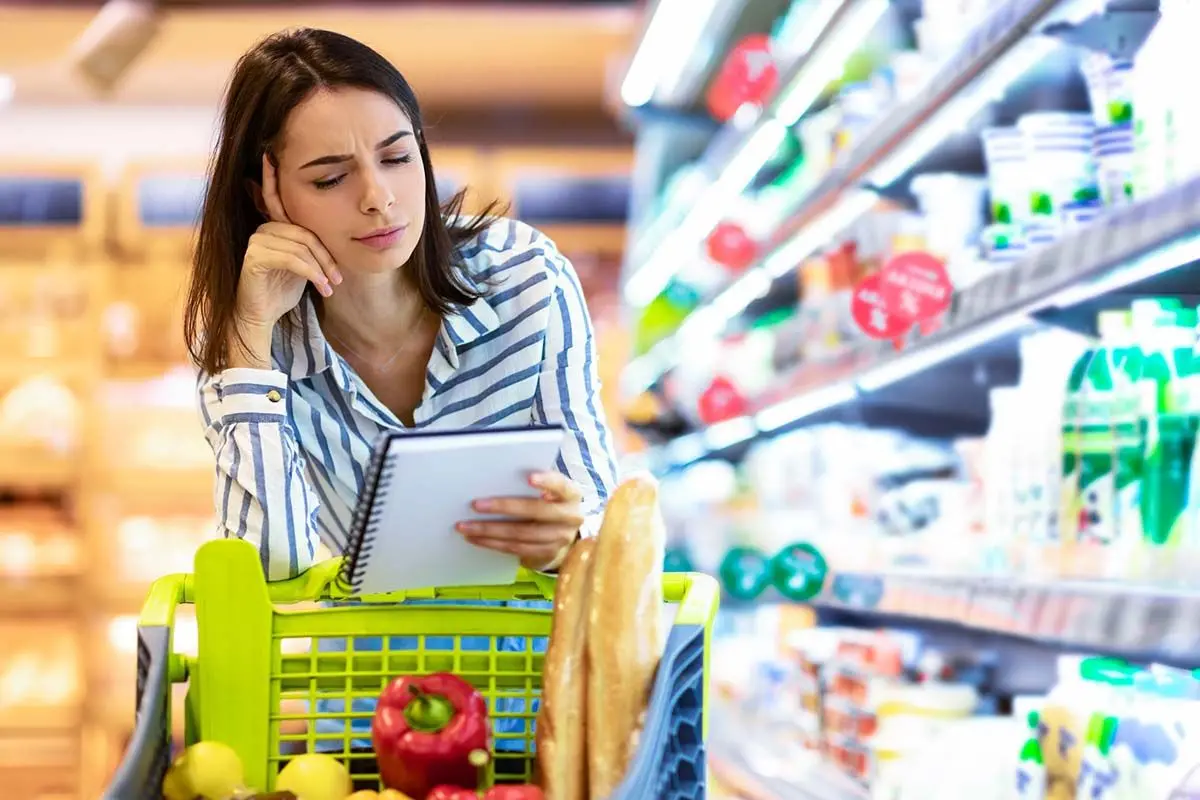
point(338, 159)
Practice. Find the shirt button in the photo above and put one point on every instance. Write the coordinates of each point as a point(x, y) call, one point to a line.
point(274, 396)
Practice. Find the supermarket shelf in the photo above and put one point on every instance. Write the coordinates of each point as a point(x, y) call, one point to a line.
point(743, 145)
point(39, 472)
point(992, 58)
point(1138, 249)
point(189, 486)
point(743, 759)
point(1116, 617)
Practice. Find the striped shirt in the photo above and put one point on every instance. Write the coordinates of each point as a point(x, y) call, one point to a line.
point(291, 443)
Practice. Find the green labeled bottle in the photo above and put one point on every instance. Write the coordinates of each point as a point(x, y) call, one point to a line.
point(1169, 380)
point(1103, 440)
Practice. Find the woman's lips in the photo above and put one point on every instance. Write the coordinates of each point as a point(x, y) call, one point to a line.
point(383, 239)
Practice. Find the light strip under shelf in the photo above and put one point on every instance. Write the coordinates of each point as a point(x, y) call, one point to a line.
point(675, 28)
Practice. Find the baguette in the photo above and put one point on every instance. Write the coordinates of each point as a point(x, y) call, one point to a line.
point(562, 716)
point(625, 630)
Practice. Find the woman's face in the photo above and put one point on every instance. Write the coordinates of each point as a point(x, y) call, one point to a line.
point(350, 171)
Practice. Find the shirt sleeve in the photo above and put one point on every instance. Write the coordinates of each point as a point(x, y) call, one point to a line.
point(568, 393)
point(261, 493)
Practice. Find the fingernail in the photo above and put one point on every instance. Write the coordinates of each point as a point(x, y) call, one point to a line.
point(337, 277)
point(536, 479)
point(467, 527)
point(484, 505)
point(325, 288)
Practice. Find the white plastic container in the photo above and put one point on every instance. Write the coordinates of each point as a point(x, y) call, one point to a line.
point(1109, 88)
point(1059, 162)
point(1154, 86)
point(1005, 155)
point(1113, 150)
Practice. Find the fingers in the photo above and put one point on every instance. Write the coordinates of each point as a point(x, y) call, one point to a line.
point(313, 247)
point(278, 255)
point(538, 547)
point(270, 192)
point(518, 533)
point(534, 509)
point(556, 486)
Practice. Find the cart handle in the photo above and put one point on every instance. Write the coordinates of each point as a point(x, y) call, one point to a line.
point(322, 582)
point(696, 594)
point(158, 611)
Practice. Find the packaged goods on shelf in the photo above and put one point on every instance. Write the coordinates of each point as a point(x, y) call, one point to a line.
point(36, 541)
point(153, 425)
point(41, 673)
point(909, 720)
point(40, 413)
point(865, 499)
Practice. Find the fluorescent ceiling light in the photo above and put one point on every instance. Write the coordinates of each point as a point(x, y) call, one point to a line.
point(662, 56)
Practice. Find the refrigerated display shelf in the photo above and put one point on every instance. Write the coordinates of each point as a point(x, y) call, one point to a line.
point(759, 769)
point(1110, 617)
point(966, 82)
point(733, 156)
point(1123, 248)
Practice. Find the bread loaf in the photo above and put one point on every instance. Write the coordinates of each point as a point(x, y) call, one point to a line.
point(562, 716)
point(625, 629)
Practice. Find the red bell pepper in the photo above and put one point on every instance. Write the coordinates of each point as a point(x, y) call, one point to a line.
point(425, 731)
point(452, 793)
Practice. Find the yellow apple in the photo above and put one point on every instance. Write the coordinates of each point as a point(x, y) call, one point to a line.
point(206, 770)
point(315, 776)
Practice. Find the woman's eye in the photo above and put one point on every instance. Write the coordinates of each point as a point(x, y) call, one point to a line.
point(329, 183)
point(404, 159)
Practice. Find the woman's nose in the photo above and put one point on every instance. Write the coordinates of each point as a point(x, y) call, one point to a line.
point(377, 198)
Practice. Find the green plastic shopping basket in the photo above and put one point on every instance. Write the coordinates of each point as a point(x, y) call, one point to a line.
point(260, 669)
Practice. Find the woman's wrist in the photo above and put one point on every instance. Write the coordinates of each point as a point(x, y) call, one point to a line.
point(250, 346)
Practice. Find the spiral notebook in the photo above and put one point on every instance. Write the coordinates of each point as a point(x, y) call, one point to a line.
point(418, 485)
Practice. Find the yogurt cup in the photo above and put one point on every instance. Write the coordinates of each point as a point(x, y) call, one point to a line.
point(1109, 87)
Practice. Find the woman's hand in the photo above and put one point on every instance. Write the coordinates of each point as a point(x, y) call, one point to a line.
point(280, 259)
point(538, 530)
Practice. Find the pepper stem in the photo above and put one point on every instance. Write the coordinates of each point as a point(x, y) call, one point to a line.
point(479, 759)
point(427, 713)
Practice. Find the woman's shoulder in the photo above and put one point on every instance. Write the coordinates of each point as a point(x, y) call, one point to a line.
point(510, 257)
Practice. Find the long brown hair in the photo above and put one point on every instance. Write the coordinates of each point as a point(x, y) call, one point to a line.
point(268, 82)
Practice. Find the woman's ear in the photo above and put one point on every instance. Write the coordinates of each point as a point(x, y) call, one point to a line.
point(255, 190)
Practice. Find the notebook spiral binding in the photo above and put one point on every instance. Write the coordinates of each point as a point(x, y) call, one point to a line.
point(365, 522)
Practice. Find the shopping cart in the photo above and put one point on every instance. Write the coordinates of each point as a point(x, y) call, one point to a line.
point(262, 680)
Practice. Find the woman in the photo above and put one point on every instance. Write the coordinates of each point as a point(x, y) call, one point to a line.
point(332, 299)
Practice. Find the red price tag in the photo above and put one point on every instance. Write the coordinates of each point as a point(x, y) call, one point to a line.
point(730, 246)
point(874, 315)
point(748, 75)
point(721, 401)
point(916, 286)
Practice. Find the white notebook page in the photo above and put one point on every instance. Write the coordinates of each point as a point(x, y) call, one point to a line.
point(433, 480)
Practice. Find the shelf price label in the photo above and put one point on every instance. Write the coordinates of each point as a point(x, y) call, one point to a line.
point(913, 288)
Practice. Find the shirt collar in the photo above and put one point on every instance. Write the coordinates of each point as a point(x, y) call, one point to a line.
point(306, 351)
